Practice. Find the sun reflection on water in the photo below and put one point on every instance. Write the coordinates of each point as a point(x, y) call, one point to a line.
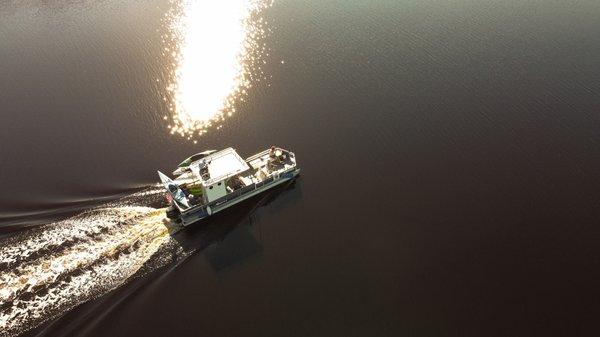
point(216, 55)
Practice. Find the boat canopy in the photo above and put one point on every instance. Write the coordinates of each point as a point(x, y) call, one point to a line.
point(219, 166)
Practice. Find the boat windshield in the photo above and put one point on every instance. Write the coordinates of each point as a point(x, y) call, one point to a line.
point(189, 160)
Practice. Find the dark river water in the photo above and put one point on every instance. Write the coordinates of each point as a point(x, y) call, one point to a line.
point(449, 152)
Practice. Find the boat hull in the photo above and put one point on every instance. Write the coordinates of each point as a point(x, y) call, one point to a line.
point(200, 212)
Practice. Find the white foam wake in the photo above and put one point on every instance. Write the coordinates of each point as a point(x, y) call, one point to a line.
point(58, 266)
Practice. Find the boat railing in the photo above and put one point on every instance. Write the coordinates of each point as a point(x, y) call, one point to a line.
point(258, 155)
point(232, 195)
point(236, 193)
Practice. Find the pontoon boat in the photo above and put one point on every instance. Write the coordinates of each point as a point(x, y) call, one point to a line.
point(210, 181)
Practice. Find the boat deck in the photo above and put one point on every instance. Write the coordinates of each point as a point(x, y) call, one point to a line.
point(264, 165)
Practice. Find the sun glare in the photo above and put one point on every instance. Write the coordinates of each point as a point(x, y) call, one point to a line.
point(215, 50)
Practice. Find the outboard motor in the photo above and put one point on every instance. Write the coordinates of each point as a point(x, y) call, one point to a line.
point(173, 213)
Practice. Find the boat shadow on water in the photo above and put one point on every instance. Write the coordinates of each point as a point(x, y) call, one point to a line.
point(227, 238)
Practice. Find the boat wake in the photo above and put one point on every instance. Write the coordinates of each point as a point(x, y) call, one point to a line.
point(49, 270)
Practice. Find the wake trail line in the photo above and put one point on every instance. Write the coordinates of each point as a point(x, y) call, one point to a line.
point(47, 271)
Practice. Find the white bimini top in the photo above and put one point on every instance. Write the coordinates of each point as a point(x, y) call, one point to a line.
point(221, 165)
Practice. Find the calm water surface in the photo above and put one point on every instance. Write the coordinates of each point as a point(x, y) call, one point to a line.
point(449, 155)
